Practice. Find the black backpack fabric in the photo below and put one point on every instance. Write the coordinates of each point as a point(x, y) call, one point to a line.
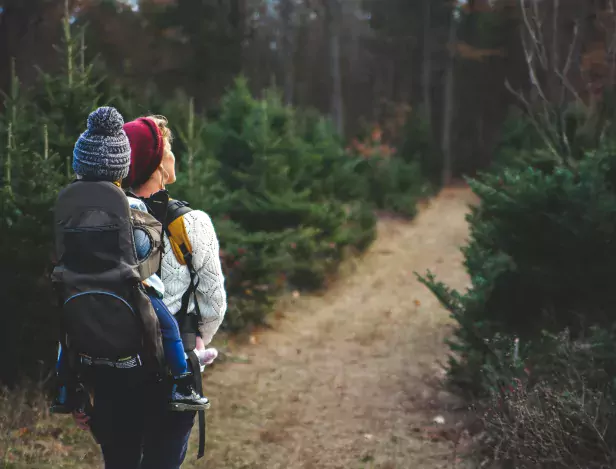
point(107, 317)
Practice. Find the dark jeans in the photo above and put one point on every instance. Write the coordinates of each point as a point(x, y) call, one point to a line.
point(133, 426)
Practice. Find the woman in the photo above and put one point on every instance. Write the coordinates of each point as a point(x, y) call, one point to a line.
point(152, 168)
point(149, 432)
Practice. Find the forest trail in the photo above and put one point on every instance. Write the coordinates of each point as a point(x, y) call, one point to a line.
point(345, 379)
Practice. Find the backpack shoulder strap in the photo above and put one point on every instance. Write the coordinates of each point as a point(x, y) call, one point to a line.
point(182, 249)
point(188, 323)
point(176, 230)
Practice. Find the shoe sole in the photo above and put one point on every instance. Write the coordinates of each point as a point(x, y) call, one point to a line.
point(181, 407)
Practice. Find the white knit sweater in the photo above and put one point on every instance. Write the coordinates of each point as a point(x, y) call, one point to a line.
point(210, 291)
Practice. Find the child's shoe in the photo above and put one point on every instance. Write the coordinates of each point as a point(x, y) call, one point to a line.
point(78, 400)
point(184, 397)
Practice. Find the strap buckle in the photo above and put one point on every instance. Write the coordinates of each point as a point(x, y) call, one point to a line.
point(125, 363)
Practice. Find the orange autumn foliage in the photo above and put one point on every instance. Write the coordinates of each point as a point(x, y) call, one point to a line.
point(371, 147)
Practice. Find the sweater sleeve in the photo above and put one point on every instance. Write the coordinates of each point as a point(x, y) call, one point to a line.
point(211, 294)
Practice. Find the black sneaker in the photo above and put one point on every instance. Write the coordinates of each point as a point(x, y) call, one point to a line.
point(185, 398)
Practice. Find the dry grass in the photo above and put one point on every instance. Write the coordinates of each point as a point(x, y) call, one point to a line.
point(344, 379)
point(29, 438)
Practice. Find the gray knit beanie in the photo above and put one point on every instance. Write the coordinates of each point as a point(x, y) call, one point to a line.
point(102, 152)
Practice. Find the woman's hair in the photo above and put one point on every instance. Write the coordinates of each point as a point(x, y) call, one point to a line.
point(163, 125)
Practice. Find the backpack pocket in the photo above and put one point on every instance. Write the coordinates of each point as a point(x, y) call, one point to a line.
point(89, 250)
point(151, 332)
point(152, 228)
point(102, 324)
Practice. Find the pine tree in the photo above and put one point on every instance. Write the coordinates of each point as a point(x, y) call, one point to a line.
point(65, 100)
point(30, 183)
point(37, 136)
point(257, 171)
point(540, 258)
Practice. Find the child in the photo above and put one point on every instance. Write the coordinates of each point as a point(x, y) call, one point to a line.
point(102, 153)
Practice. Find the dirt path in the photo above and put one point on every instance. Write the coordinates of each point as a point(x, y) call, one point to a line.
point(340, 382)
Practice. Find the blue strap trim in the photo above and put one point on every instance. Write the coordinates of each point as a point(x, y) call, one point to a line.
point(94, 292)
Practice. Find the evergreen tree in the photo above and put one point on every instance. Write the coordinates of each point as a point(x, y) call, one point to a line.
point(258, 171)
point(30, 181)
point(37, 135)
point(208, 35)
point(64, 101)
point(540, 258)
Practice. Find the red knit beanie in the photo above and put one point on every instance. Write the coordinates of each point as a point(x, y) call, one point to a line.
point(147, 148)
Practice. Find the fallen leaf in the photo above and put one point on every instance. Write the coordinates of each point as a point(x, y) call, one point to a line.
point(21, 432)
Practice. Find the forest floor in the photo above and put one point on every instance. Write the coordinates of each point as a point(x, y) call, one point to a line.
point(349, 378)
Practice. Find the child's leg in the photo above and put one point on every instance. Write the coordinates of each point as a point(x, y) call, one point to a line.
point(60, 404)
point(172, 342)
point(61, 365)
point(183, 397)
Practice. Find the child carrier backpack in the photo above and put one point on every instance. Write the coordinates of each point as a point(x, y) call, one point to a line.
point(107, 318)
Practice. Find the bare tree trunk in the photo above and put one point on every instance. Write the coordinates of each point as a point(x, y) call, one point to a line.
point(17, 21)
point(237, 21)
point(550, 67)
point(353, 25)
point(449, 105)
point(556, 68)
point(333, 20)
point(288, 49)
point(427, 63)
point(391, 80)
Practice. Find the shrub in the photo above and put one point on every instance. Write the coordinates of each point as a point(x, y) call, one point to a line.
point(336, 176)
point(418, 146)
point(280, 190)
point(533, 347)
point(391, 183)
point(520, 145)
point(253, 264)
point(540, 259)
point(527, 140)
point(560, 413)
point(31, 174)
